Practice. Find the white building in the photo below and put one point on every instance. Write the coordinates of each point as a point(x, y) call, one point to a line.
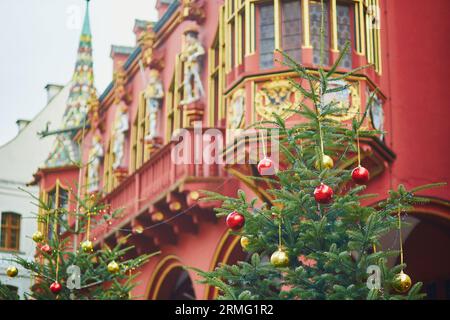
point(19, 159)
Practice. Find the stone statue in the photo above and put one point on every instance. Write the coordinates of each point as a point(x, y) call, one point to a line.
point(94, 161)
point(153, 95)
point(191, 56)
point(121, 126)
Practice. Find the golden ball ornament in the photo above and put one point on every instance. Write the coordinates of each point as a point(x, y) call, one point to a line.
point(245, 242)
point(38, 237)
point(401, 282)
point(12, 272)
point(279, 259)
point(113, 267)
point(327, 162)
point(87, 246)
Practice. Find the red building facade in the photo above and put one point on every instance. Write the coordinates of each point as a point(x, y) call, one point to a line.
point(231, 46)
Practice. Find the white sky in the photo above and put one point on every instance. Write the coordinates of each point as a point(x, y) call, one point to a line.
point(38, 45)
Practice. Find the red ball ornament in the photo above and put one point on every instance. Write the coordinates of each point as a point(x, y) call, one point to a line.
point(46, 248)
point(55, 287)
point(265, 166)
point(360, 175)
point(235, 221)
point(323, 194)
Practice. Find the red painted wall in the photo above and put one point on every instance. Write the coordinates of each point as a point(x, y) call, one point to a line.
point(415, 75)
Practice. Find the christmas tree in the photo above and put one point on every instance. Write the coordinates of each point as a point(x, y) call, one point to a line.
point(64, 270)
point(315, 240)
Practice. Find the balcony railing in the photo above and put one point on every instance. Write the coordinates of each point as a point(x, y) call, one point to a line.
point(150, 183)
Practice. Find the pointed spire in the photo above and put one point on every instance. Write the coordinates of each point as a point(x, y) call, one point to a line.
point(86, 24)
point(66, 150)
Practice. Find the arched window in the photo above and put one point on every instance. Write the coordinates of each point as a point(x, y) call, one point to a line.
point(10, 231)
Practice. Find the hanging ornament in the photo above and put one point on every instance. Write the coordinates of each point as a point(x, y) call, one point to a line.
point(327, 163)
point(12, 272)
point(55, 287)
point(46, 249)
point(235, 221)
point(113, 267)
point(87, 246)
point(279, 258)
point(401, 282)
point(245, 242)
point(323, 194)
point(360, 175)
point(38, 237)
point(265, 166)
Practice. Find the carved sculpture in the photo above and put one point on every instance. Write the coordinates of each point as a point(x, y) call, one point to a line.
point(120, 128)
point(94, 161)
point(191, 55)
point(153, 95)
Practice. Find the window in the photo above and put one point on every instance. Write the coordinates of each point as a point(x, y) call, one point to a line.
point(108, 174)
point(291, 25)
point(315, 17)
point(174, 95)
point(10, 231)
point(138, 132)
point(373, 47)
point(291, 28)
point(344, 33)
point(58, 198)
point(236, 17)
point(216, 79)
point(266, 36)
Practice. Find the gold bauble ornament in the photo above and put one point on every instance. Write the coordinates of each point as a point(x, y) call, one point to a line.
point(327, 162)
point(87, 246)
point(12, 271)
point(279, 258)
point(38, 237)
point(245, 242)
point(113, 267)
point(401, 282)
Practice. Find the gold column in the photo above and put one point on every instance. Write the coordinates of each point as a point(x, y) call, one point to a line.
point(334, 29)
point(277, 24)
point(379, 37)
point(306, 35)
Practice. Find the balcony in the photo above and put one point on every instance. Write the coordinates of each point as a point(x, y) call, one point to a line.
point(159, 189)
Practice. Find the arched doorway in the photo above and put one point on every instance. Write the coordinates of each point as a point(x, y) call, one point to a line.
point(170, 281)
point(427, 254)
point(426, 243)
point(177, 285)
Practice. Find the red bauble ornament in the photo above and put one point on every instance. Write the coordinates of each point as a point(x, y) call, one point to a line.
point(360, 175)
point(55, 287)
point(323, 193)
point(265, 166)
point(235, 221)
point(46, 248)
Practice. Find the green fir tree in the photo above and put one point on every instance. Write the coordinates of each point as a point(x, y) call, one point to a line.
point(329, 246)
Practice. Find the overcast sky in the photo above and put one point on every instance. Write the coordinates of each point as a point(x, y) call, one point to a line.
point(38, 44)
